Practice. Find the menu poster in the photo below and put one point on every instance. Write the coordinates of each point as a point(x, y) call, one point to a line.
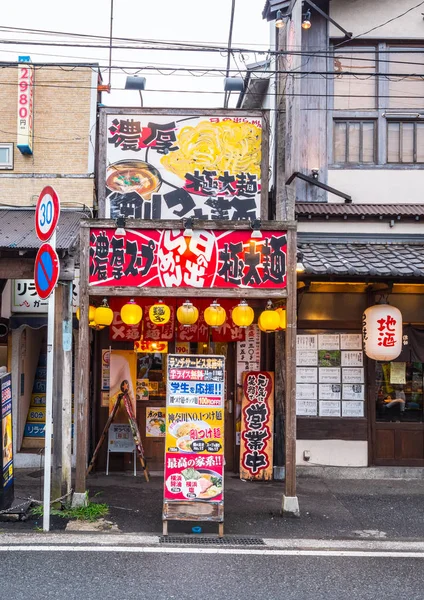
point(329, 358)
point(330, 391)
point(353, 375)
point(398, 373)
point(306, 357)
point(105, 369)
point(329, 374)
point(306, 375)
point(307, 342)
point(352, 409)
point(329, 408)
point(352, 358)
point(353, 391)
point(329, 341)
point(306, 408)
point(257, 425)
point(194, 435)
point(351, 341)
point(306, 391)
point(155, 421)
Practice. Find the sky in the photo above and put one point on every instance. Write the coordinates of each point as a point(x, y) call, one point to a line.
point(187, 21)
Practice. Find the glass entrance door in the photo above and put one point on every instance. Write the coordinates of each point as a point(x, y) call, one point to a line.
point(399, 428)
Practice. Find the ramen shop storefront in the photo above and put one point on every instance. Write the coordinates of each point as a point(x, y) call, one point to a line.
point(185, 288)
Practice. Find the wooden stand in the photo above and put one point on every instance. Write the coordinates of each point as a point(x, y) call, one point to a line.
point(134, 430)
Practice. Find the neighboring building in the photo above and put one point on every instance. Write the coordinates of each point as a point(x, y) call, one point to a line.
point(47, 137)
point(361, 242)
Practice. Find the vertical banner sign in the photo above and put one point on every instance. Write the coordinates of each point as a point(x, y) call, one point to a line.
point(257, 425)
point(25, 105)
point(194, 444)
point(123, 375)
point(6, 492)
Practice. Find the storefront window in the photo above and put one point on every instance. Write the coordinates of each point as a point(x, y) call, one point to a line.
point(399, 388)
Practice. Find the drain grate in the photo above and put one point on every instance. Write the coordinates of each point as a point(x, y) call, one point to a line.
point(211, 541)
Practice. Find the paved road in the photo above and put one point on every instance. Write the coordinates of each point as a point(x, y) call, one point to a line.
point(119, 573)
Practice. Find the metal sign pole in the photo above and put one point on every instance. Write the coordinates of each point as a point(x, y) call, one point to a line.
point(49, 405)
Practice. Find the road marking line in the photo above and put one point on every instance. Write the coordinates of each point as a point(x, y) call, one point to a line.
point(241, 551)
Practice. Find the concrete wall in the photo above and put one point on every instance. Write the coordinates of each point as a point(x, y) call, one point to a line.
point(378, 186)
point(332, 453)
point(64, 135)
point(358, 16)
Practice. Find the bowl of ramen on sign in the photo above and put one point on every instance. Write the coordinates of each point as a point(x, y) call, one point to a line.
point(126, 176)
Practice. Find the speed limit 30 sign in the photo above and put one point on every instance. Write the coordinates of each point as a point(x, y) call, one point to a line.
point(47, 213)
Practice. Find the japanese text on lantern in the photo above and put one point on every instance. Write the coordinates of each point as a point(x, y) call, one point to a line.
point(256, 446)
point(386, 332)
point(167, 258)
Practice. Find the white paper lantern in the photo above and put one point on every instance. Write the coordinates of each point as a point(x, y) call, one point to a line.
point(382, 332)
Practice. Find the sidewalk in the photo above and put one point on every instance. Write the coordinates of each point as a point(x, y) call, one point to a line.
point(340, 509)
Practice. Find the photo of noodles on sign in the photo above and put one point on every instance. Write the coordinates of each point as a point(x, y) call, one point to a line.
point(175, 167)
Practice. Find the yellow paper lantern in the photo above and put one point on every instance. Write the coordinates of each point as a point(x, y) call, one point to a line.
point(243, 314)
point(103, 315)
point(283, 317)
point(187, 314)
point(91, 311)
point(215, 315)
point(159, 313)
point(260, 326)
point(131, 313)
point(269, 318)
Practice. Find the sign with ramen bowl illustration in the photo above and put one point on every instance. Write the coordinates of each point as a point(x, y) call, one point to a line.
point(174, 166)
point(194, 442)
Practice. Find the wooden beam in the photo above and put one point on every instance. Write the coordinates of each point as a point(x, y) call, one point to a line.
point(218, 225)
point(182, 292)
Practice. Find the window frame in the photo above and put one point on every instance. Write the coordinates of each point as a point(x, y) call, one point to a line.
point(375, 140)
point(382, 114)
point(8, 165)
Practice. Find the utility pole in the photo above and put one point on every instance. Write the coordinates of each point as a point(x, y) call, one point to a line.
point(287, 126)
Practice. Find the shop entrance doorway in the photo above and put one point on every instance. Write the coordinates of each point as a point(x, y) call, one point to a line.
point(398, 420)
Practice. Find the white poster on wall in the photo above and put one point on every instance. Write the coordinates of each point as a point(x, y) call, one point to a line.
point(352, 409)
point(306, 408)
point(330, 391)
point(353, 391)
point(351, 341)
point(329, 408)
point(306, 391)
point(329, 341)
point(352, 358)
point(353, 375)
point(307, 342)
point(306, 375)
point(329, 375)
point(306, 357)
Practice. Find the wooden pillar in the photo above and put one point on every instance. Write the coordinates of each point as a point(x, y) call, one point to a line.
point(56, 487)
point(67, 343)
point(290, 501)
point(291, 156)
point(82, 373)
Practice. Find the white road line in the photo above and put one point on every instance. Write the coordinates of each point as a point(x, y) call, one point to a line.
point(240, 551)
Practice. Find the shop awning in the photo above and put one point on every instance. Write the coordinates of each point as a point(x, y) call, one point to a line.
point(361, 258)
point(17, 230)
